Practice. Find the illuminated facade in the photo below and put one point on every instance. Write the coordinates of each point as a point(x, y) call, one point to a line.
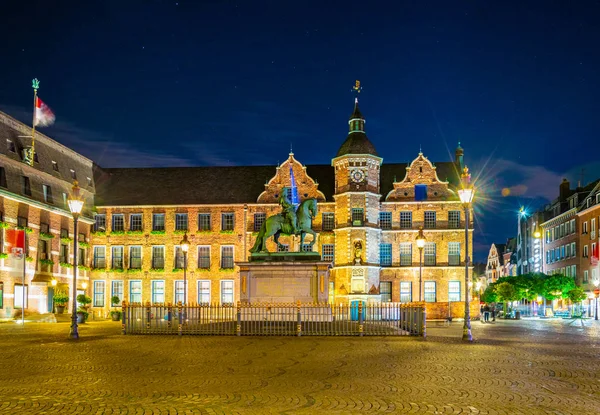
point(34, 198)
point(369, 216)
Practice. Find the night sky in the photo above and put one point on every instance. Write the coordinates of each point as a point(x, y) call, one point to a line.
point(168, 83)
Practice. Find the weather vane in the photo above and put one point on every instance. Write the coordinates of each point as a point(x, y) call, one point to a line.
point(357, 88)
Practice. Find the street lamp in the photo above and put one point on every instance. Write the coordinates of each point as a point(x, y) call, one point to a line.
point(185, 246)
point(466, 193)
point(421, 244)
point(596, 294)
point(75, 203)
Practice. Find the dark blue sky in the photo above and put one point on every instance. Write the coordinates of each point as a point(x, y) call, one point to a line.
point(137, 83)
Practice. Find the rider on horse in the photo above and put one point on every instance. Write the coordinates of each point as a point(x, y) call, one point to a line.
point(289, 211)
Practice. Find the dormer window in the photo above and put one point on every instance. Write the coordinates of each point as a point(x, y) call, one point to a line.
point(73, 174)
point(11, 146)
point(89, 181)
point(54, 165)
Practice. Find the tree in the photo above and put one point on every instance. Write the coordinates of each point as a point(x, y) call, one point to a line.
point(489, 295)
point(507, 292)
point(577, 295)
point(557, 286)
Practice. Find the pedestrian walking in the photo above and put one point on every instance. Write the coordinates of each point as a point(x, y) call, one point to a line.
point(493, 312)
point(481, 313)
point(486, 313)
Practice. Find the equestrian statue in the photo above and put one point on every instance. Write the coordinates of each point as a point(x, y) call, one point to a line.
point(289, 222)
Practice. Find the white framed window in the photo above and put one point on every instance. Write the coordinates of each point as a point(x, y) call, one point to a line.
point(585, 251)
point(584, 228)
point(179, 291)
point(429, 291)
point(453, 253)
point(227, 221)
point(181, 221)
point(227, 292)
point(204, 222)
point(405, 254)
point(385, 290)
point(117, 290)
point(99, 257)
point(585, 276)
point(573, 227)
point(117, 257)
point(227, 256)
point(47, 191)
point(405, 291)
point(574, 271)
point(135, 257)
point(98, 293)
point(158, 222)
point(100, 224)
point(135, 291)
point(203, 291)
point(204, 257)
point(429, 254)
point(135, 222)
point(158, 257)
point(453, 290)
point(118, 222)
point(593, 228)
point(283, 248)
point(179, 259)
point(158, 291)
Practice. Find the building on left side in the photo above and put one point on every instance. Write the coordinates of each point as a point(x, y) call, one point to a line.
point(34, 198)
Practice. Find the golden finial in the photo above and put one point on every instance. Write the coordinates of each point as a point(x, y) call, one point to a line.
point(357, 88)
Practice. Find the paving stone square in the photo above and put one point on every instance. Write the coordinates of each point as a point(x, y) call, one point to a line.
point(513, 367)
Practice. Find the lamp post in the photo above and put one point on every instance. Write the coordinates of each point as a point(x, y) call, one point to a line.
point(75, 203)
point(596, 294)
point(466, 193)
point(185, 246)
point(420, 244)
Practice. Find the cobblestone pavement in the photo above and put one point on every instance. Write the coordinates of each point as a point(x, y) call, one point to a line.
point(514, 367)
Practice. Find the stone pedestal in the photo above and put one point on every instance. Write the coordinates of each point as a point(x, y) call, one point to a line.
point(284, 278)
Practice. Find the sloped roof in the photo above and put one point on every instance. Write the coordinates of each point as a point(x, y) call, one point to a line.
point(218, 185)
point(357, 143)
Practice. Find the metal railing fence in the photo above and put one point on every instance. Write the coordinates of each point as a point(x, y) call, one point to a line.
point(281, 319)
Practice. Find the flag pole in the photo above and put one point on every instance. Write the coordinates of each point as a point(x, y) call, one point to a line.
point(35, 84)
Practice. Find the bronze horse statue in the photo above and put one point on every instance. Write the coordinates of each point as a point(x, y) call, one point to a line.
point(276, 225)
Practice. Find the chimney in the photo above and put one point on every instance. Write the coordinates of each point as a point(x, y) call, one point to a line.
point(564, 190)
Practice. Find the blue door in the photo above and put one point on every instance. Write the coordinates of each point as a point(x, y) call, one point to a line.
point(50, 299)
point(354, 309)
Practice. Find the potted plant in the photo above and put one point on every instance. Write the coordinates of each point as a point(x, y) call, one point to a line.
point(61, 299)
point(82, 313)
point(115, 314)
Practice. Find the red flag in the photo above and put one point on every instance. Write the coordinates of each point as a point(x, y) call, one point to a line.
point(43, 114)
point(15, 238)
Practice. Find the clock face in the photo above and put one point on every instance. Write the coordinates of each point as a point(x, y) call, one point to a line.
point(357, 175)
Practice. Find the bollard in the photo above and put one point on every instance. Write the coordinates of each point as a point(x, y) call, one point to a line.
point(148, 315)
point(169, 316)
point(180, 315)
point(360, 318)
point(238, 329)
point(124, 318)
point(424, 322)
point(299, 320)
